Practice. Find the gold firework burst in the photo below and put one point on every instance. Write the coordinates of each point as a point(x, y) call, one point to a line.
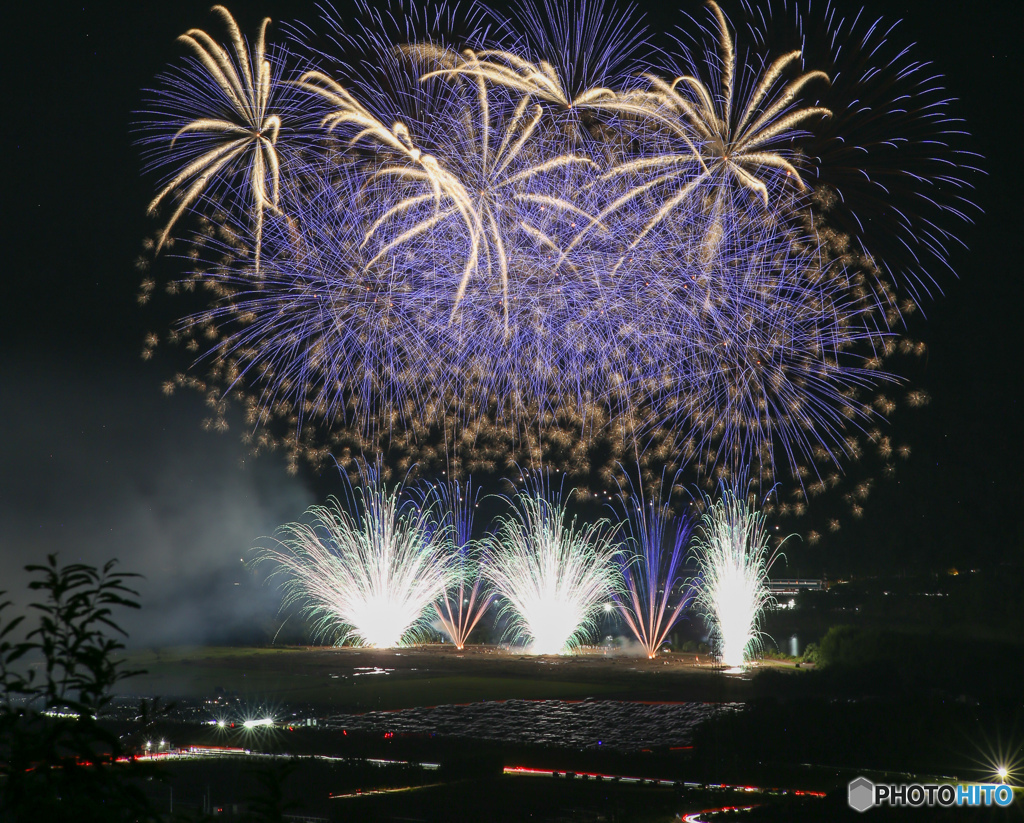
point(723, 143)
point(245, 82)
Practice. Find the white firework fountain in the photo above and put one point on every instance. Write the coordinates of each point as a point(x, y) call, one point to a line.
point(369, 573)
point(733, 560)
point(553, 575)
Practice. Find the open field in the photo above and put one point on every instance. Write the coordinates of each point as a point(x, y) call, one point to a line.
point(811, 731)
point(365, 679)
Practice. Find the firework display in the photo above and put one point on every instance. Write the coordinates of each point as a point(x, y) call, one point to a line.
point(428, 232)
point(368, 572)
point(449, 241)
point(733, 559)
point(552, 574)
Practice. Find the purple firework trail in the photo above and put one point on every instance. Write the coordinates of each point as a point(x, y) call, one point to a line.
point(462, 606)
point(652, 569)
point(894, 153)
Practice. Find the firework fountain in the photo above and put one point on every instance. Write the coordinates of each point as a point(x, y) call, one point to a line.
point(461, 607)
point(733, 560)
point(652, 570)
point(552, 574)
point(367, 573)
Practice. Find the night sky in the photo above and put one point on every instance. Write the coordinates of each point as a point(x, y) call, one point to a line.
point(97, 463)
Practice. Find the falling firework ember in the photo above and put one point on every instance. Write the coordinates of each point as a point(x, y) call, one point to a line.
point(553, 575)
point(733, 560)
point(368, 573)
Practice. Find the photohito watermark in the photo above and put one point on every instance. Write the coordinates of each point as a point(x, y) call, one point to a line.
point(863, 794)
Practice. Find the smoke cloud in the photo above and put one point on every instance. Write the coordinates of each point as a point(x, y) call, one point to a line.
point(98, 464)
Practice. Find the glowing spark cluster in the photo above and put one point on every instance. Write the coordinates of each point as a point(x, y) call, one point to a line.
point(733, 559)
point(552, 574)
point(368, 573)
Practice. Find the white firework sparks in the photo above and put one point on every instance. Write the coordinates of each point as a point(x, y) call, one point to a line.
point(367, 577)
point(553, 575)
point(733, 560)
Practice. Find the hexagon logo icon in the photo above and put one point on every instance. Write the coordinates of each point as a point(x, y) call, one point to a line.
point(862, 794)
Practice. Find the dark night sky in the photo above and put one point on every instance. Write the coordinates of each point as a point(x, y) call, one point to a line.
point(96, 462)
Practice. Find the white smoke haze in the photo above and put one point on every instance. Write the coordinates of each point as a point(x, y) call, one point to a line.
point(98, 464)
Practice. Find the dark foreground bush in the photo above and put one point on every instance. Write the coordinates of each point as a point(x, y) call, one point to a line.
point(57, 762)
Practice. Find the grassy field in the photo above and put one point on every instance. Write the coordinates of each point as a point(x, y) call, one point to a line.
point(363, 679)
